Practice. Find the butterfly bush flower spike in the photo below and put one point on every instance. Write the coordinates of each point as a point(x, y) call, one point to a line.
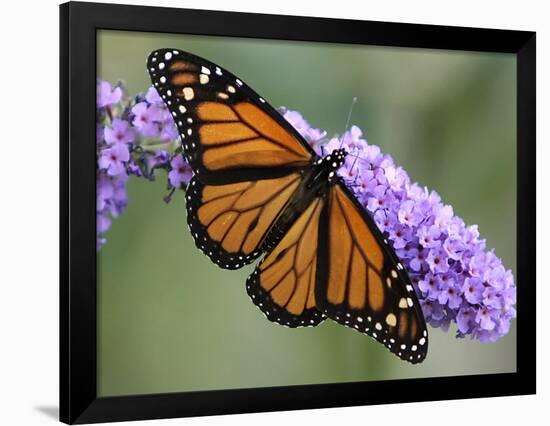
point(455, 277)
point(135, 136)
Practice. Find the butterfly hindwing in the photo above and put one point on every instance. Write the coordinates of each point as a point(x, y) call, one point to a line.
point(361, 283)
point(283, 284)
point(229, 133)
point(230, 222)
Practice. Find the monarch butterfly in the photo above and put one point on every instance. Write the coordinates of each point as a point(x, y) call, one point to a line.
point(260, 189)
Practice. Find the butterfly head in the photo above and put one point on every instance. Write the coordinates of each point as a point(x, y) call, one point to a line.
point(334, 161)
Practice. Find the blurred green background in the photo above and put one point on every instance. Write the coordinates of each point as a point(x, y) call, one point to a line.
point(169, 320)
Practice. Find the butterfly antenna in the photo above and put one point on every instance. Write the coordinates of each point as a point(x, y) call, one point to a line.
point(354, 163)
point(357, 157)
point(353, 101)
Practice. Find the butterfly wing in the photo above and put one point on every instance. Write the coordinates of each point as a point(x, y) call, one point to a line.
point(230, 222)
point(245, 155)
point(283, 284)
point(229, 133)
point(361, 283)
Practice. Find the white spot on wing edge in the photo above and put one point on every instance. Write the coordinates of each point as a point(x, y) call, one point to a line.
point(391, 320)
point(188, 93)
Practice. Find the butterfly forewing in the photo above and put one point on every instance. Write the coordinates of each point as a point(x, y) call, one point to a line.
point(283, 284)
point(361, 283)
point(229, 133)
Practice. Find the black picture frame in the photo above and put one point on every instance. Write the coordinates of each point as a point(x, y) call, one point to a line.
point(79, 22)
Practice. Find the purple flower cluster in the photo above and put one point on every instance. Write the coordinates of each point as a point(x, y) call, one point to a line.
point(134, 136)
point(455, 277)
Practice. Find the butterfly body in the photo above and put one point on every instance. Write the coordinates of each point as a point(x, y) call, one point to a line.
point(260, 190)
point(316, 181)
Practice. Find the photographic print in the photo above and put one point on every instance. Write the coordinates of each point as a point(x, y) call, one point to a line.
point(277, 213)
point(264, 212)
